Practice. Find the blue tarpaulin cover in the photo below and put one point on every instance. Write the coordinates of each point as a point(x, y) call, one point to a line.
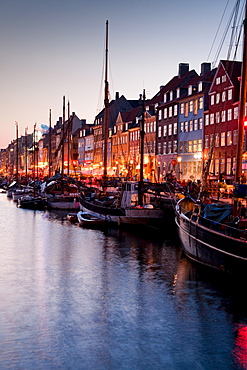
point(216, 212)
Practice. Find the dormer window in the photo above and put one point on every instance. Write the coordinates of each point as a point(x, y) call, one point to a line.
point(178, 92)
point(200, 86)
point(171, 95)
point(190, 90)
point(165, 98)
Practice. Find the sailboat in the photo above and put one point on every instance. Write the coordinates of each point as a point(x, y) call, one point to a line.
point(213, 234)
point(138, 203)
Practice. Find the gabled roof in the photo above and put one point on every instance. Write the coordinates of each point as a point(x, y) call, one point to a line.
point(233, 69)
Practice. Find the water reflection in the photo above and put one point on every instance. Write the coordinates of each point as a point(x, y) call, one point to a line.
point(87, 299)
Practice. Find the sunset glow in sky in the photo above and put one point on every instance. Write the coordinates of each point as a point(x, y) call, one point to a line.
point(51, 48)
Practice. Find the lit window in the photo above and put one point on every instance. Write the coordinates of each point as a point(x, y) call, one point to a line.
point(217, 98)
point(171, 95)
point(200, 86)
point(169, 147)
point(206, 119)
point(190, 146)
point(160, 114)
point(206, 141)
point(186, 126)
point(217, 117)
point(195, 124)
point(191, 125)
point(191, 105)
point(223, 78)
point(199, 145)
point(175, 146)
point(229, 114)
point(235, 137)
point(235, 113)
point(170, 129)
point(194, 146)
point(211, 118)
point(223, 96)
point(217, 140)
point(229, 138)
point(182, 108)
point(201, 103)
point(222, 139)
point(217, 80)
point(175, 110)
point(229, 95)
point(182, 127)
point(159, 131)
point(212, 99)
point(223, 116)
point(175, 128)
point(164, 147)
point(200, 123)
point(190, 90)
point(170, 111)
point(165, 113)
point(165, 130)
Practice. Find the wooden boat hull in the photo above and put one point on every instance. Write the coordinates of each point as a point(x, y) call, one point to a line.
point(35, 203)
point(63, 203)
point(213, 248)
point(130, 216)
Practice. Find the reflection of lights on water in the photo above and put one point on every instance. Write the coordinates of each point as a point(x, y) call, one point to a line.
point(240, 350)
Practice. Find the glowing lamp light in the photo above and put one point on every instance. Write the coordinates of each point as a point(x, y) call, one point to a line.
point(245, 123)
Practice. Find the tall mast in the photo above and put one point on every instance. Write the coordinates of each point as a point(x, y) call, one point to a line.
point(62, 170)
point(242, 105)
point(68, 139)
point(49, 156)
point(106, 115)
point(17, 152)
point(142, 134)
point(26, 152)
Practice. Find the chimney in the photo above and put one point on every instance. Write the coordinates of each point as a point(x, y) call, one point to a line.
point(117, 95)
point(182, 69)
point(205, 68)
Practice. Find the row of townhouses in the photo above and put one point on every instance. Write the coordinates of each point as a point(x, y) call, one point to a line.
point(189, 116)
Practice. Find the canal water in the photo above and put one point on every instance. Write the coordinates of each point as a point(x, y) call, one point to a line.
point(72, 298)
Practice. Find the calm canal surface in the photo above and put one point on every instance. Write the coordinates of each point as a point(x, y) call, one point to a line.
point(72, 298)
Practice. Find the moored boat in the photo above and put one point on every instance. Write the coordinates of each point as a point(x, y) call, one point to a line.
point(35, 202)
point(91, 220)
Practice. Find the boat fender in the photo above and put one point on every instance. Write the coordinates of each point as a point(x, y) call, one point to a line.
point(236, 220)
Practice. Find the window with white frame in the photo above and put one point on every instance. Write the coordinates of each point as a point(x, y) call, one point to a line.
point(170, 111)
point(235, 137)
point(178, 92)
point(200, 86)
point(191, 106)
point(175, 146)
point(223, 96)
point(190, 90)
point(165, 131)
point(175, 113)
point(229, 138)
point(212, 99)
point(217, 81)
point(206, 119)
point(222, 139)
point(186, 109)
point(206, 142)
point(182, 127)
point(200, 123)
point(201, 102)
point(170, 129)
point(186, 126)
point(169, 147)
point(195, 106)
point(160, 114)
point(223, 116)
point(229, 114)
point(211, 140)
point(159, 148)
point(182, 108)
point(165, 99)
point(195, 146)
point(199, 145)
point(159, 131)
point(164, 147)
point(229, 95)
point(171, 95)
point(191, 125)
point(195, 124)
point(223, 78)
point(235, 112)
point(211, 118)
point(190, 147)
point(217, 98)
point(165, 113)
point(175, 128)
